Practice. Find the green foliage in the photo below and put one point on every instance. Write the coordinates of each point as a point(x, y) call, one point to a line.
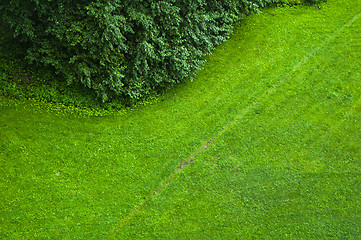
point(282, 97)
point(313, 1)
point(124, 49)
point(21, 81)
point(297, 2)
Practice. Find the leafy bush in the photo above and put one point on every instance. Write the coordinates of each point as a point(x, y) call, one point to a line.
point(123, 49)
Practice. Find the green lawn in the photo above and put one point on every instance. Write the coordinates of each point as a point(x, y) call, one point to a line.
point(265, 143)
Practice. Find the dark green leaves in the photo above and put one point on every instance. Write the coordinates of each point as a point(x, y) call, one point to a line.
point(124, 49)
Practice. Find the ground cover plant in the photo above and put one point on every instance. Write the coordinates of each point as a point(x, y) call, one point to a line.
point(264, 143)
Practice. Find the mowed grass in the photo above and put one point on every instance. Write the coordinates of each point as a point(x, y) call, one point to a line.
point(279, 104)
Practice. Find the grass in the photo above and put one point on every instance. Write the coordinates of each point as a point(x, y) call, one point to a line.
point(269, 130)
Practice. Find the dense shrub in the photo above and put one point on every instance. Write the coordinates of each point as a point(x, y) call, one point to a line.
point(123, 48)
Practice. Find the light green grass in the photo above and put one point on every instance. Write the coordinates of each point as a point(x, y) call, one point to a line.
point(281, 101)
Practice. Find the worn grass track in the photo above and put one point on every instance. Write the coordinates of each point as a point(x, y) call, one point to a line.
point(265, 143)
point(323, 46)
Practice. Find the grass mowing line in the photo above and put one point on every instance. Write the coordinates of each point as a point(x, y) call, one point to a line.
point(164, 184)
point(295, 67)
point(228, 126)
